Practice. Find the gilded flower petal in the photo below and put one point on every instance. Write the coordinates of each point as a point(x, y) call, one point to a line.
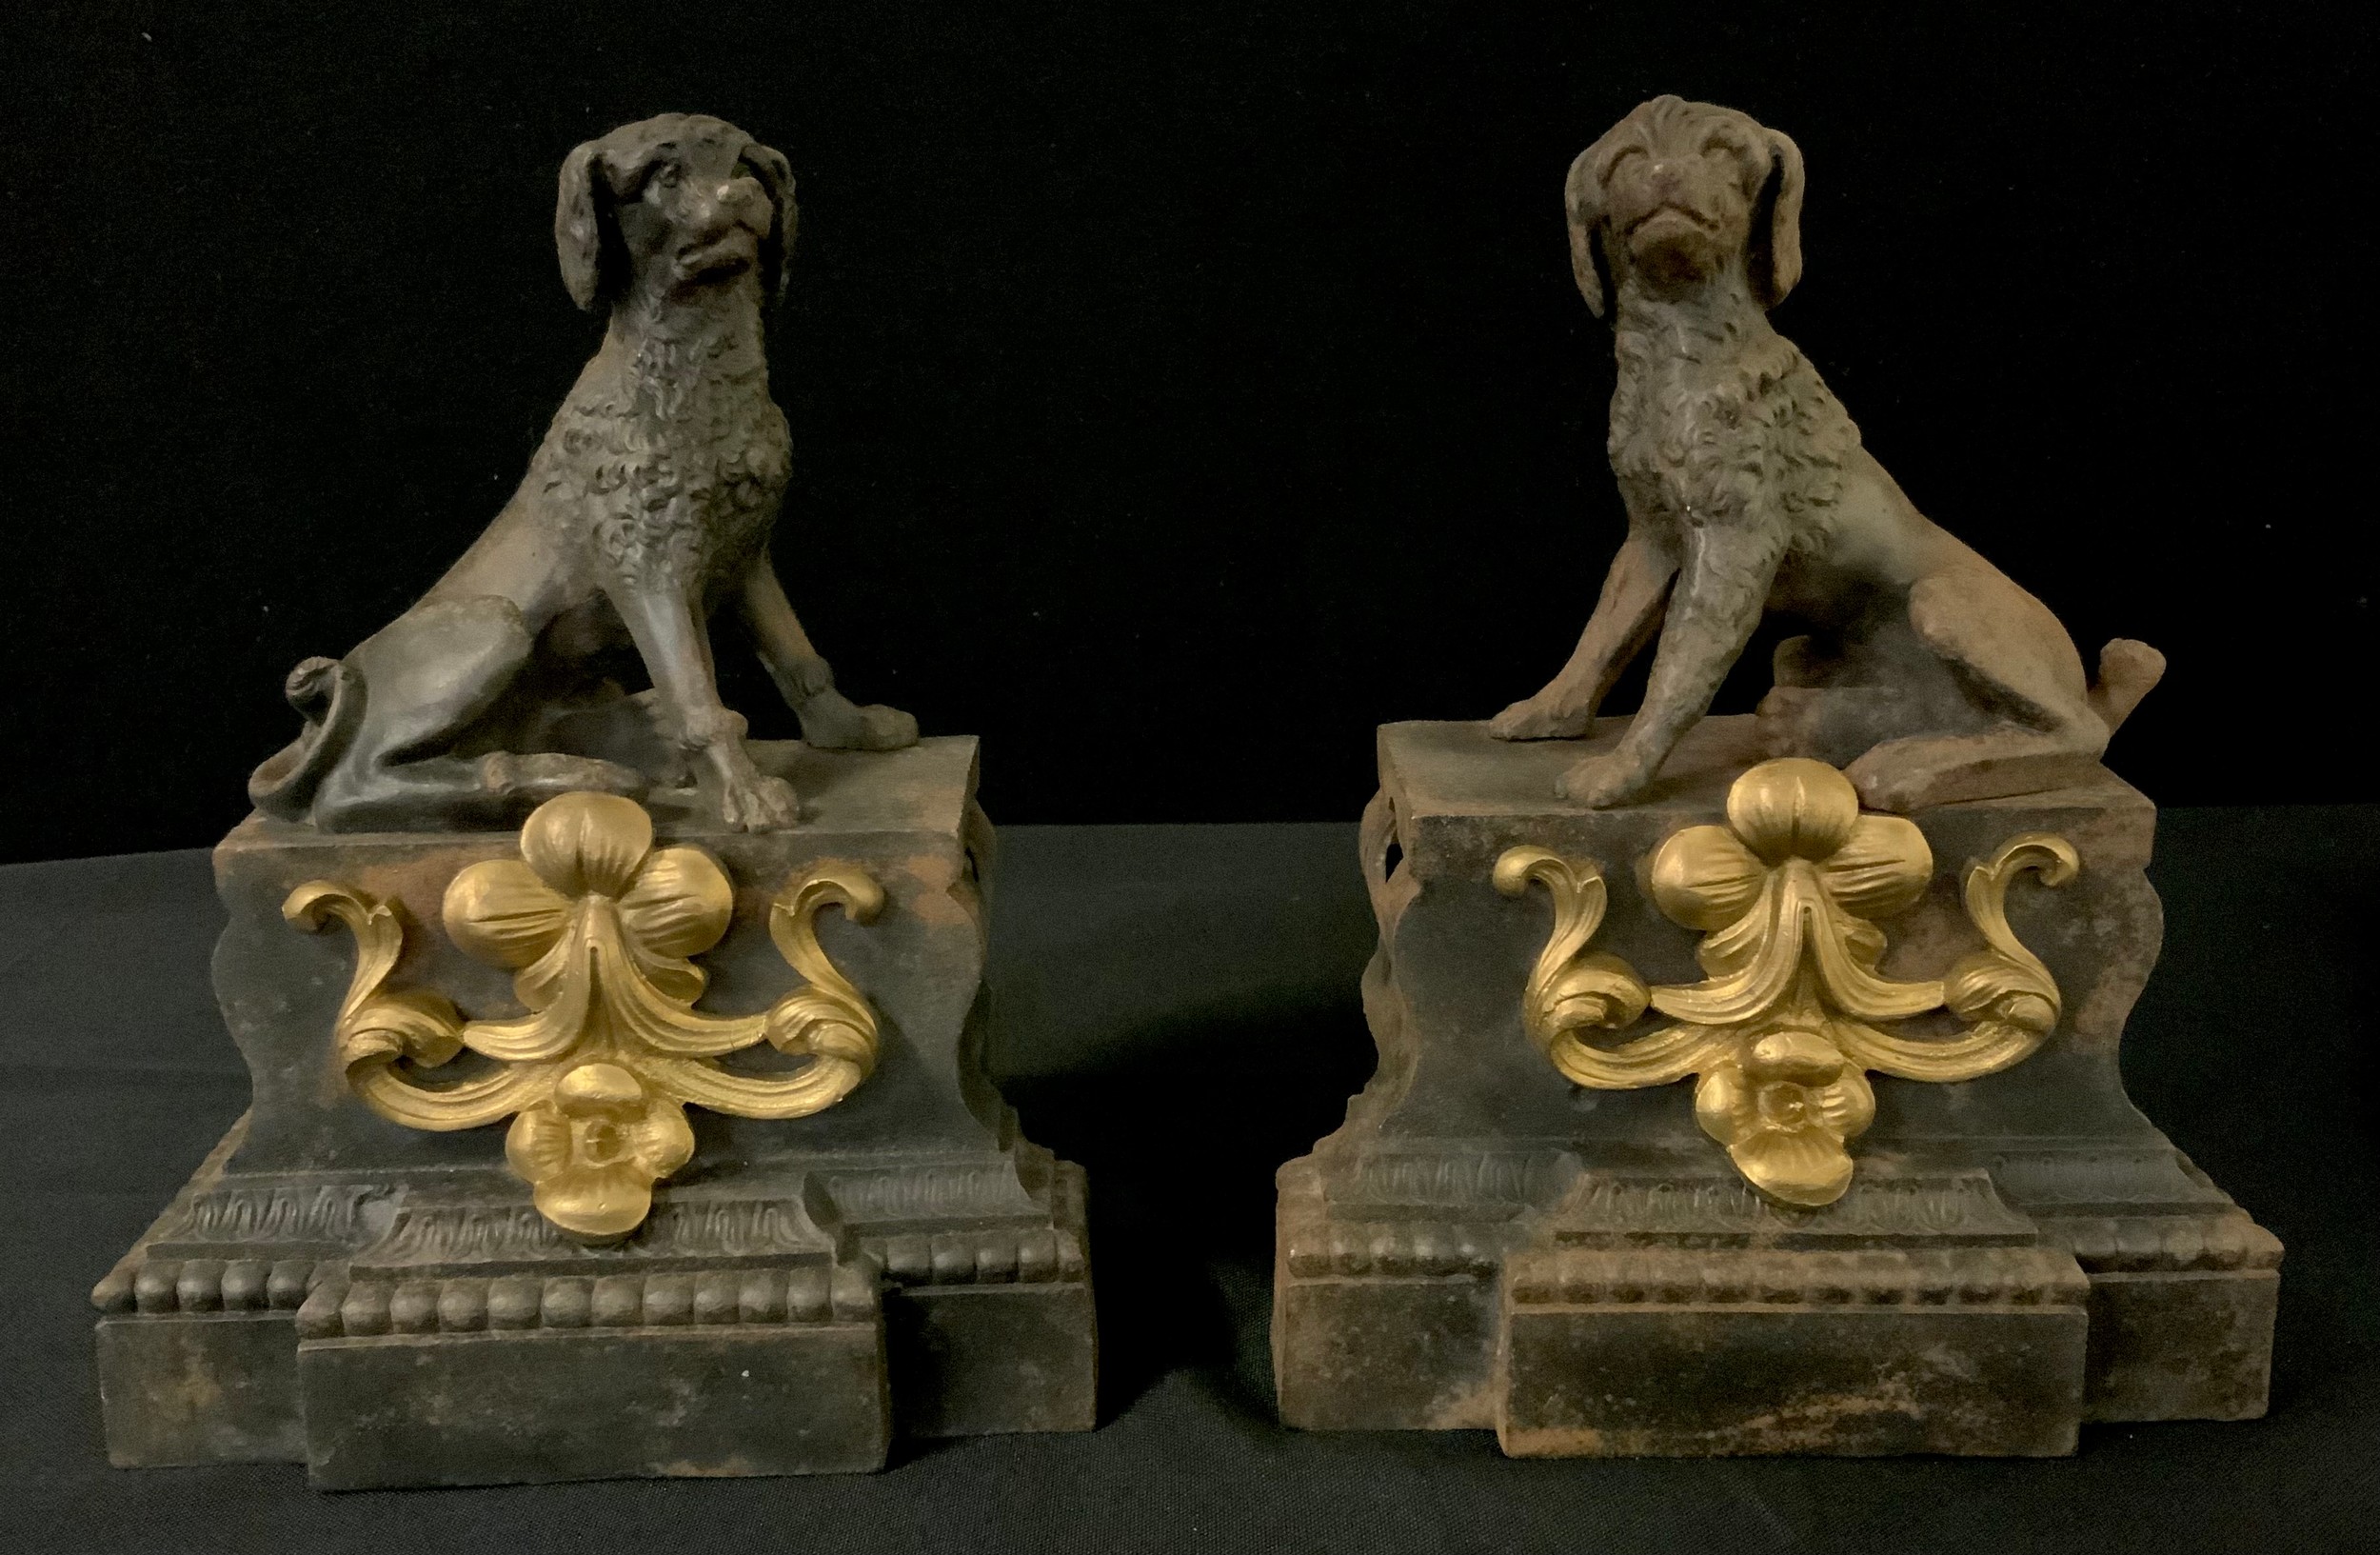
point(1883, 866)
point(501, 913)
point(538, 1144)
point(593, 1149)
point(1848, 1105)
point(680, 904)
point(599, 1204)
point(1793, 808)
point(588, 842)
point(1704, 878)
point(1806, 1166)
point(664, 1141)
point(1723, 1103)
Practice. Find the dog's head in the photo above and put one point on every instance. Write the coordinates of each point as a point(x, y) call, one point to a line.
point(1678, 192)
point(677, 202)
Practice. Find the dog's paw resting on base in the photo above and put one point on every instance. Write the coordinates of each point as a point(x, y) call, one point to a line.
point(1542, 718)
point(750, 801)
point(831, 721)
point(1603, 781)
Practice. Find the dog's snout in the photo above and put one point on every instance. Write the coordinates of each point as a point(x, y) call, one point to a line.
point(720, 222)
point(735, 200)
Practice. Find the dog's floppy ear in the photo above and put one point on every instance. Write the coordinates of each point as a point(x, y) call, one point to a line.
point(1583, 201)
point(776, 175)
point(578, 225)
point(1772, 257)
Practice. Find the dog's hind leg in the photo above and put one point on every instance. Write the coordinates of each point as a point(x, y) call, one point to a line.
point(1922, 771)
point(1839, 697)
point(428, 677)
point(2020, 670)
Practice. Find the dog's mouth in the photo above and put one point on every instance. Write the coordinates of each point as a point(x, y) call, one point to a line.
point(724, 255)
point(1691, 217)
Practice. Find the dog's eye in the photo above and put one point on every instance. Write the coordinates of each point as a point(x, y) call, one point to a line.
point(666, 176)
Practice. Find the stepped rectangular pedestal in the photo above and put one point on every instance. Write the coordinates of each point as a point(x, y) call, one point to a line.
point(387, 1306)
point(1484, 1244)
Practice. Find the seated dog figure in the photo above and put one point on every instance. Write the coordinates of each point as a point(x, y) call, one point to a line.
point(648, 507)
point(1926, 672)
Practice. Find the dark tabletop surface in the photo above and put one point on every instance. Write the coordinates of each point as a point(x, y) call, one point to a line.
point(1178, 1013)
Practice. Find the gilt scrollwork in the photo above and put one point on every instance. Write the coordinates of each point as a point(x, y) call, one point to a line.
point(599, 928)
point(1792, 1012)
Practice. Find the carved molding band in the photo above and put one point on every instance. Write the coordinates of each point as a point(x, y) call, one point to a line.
point(1897, 1277)
point(805, 1293)
point(597, 926)
point(1317, 1247)
point(1782, 1028)
point(155, 1285)
point(1029, 1255)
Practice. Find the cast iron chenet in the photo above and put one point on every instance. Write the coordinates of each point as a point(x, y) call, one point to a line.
point(655, 1269)
point(1521, 1224)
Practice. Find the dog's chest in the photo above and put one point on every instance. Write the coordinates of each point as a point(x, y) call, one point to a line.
point(1749, 435)
point(684, 475)
point(1689, 442)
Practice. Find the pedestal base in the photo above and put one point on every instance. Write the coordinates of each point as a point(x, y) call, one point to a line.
point(492, 1409)
point(388, 1306)
point(1704, 1353)
point(1485, 1244)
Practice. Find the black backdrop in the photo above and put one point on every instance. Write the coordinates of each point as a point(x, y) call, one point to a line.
point(1179, 390)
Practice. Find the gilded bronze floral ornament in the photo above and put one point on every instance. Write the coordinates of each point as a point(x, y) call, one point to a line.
point(598, 928)
point(1783, 1027)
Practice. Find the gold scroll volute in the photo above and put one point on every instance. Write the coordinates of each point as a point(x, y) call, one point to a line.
point(1789, 1014)
point(599, 928)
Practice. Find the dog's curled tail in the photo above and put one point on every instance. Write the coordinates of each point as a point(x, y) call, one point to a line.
point(329, 696)
point(2128, 672)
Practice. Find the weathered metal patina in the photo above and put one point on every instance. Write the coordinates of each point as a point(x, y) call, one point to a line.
point(525, 1192)
point(1975, 1252)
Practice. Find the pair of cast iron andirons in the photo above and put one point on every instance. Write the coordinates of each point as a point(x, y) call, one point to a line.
point(618, 1107)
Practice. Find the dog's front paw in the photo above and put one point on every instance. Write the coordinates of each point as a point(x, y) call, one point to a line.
point(1600, 781)
point(1535, 718)
point(887, 729)
point(756, 801)
point(1886, 780)
point(829, 722)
